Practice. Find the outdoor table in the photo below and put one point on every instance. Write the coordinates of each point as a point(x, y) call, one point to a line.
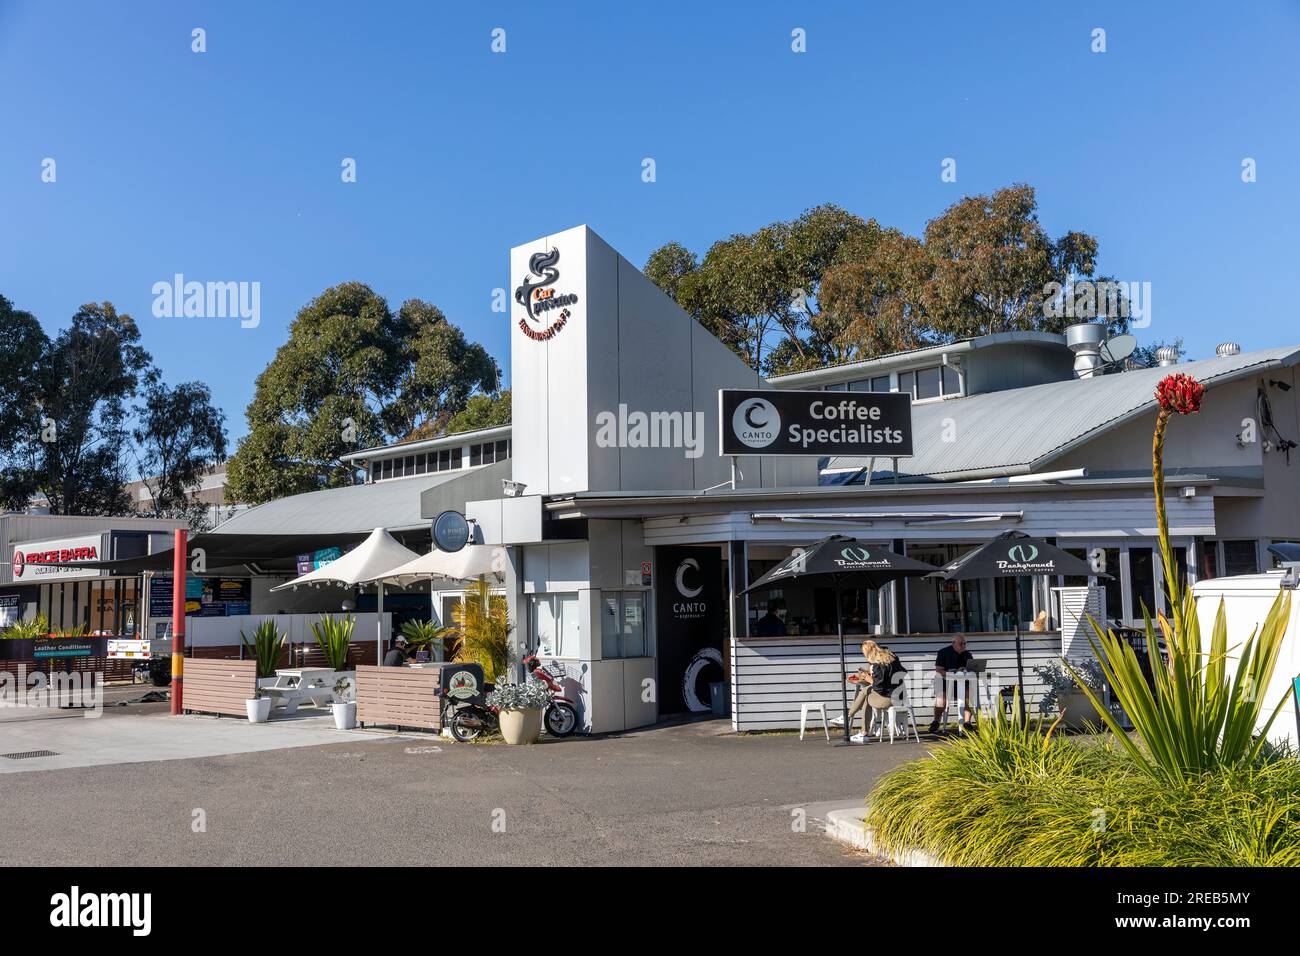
point(293, 685)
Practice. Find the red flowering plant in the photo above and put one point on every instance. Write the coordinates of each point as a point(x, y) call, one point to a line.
point(1198, 717)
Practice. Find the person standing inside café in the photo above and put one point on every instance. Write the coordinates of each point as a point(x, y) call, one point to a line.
point(955, 657)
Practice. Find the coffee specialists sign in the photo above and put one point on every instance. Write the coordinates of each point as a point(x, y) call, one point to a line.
point(773, 422)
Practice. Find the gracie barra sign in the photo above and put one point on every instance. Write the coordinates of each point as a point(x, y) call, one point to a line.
point(774, 422)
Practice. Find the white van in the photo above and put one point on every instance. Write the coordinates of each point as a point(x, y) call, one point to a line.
point(1246, 602)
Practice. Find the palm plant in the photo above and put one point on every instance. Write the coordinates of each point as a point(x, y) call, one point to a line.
point(426, 635)
point(484, 626)
point(334, 637)
point(28, 630)
point(265, 648)
point(1195, 719)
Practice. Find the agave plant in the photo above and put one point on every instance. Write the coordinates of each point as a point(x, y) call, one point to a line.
point(484, 627)
point(1195, 719)
point(28, 630)
point(334, 637)
point(265, 648)
point(426, 635)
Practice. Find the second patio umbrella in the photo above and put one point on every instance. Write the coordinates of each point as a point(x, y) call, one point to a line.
point(1014, 554)
point(842, 562)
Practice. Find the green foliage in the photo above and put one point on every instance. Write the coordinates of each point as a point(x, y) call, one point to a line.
point(427, 635)
point(334, 638)
point(482, 411)
point(1003, 798)
point(484, 627)
point(265, 648)
point(352, 374)
point(179, 435)
point(27, 630)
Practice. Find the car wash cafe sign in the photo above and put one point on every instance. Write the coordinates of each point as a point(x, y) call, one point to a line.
point(774, 422)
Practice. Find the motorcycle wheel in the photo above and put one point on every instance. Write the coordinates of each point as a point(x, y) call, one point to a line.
point(465, 726)
point(561, 720)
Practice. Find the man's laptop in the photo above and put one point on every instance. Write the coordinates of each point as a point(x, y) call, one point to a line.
point(977, 665)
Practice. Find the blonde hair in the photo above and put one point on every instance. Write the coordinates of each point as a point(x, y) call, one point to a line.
point(876, 654)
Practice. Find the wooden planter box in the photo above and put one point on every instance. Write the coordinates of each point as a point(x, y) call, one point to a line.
point(399, 697)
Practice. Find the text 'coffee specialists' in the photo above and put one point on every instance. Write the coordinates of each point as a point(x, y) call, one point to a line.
point(772, 422)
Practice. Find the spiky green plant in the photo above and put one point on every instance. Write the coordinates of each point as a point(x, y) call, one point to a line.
point(334, 638)
point(427, 635)
point(1195, 719)
point(265, 647)
point(28, 629)
point(484, 626)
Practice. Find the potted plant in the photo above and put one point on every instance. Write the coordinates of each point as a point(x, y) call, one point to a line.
point(344, 710)
point(258, 707)
point(520, 708)
point(265, 649)
point(334, 638)
point(1066, 696)
point(425, 635)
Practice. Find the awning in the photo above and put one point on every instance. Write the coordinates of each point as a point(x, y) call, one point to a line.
point(467, 563)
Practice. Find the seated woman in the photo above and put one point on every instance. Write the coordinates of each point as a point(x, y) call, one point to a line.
point(877, 683)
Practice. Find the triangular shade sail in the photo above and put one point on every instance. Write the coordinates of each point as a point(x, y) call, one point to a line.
point(468, 562)
point(368, 561)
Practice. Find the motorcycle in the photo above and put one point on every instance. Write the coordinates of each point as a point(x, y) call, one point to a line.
point(472, 719)
point(561, 716)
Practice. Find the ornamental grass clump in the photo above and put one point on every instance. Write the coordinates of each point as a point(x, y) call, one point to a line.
point(265, 647)
point(334, 638)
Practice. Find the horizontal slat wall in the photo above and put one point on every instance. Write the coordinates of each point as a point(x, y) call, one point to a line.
point(771, 678)
point(219, 687)
point(399, 696)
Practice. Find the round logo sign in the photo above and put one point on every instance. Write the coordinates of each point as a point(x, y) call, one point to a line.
point(1022, 553)
point(684, 589)
point(756, 422)
point(19, 563)
point(462, 685)
point(450, 531)
point(855, 554)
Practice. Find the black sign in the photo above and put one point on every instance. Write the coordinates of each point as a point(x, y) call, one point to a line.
point(774, 422)
point(450, 531)
point(44, 647)
point(690, 606)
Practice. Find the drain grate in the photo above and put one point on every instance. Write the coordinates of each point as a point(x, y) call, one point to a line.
point(24, 754)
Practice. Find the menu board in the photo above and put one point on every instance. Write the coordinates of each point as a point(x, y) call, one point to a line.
point(8, 610)
point(205, 597)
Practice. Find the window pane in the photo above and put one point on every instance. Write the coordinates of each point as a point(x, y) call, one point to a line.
point(838, 387)
point(1142, 581)
point(610, 632)
point(880, 383)
point(567, 605)
point(374, 470)
point(501, 450)
point(1076, 581)
point(1111, 585)
point(544, 626)
point(927, 383)
point(475, 455)
point(862, 385)
point(1208, 552)
point(907, 383)
point(1240, 557)
point(634, 624)
point(951, 383)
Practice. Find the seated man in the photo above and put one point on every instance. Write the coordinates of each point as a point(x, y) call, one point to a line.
point(954, 657)
point(396, 656)
point(772, 624)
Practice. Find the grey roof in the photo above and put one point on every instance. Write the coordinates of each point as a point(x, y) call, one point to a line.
point(1018, 430)
point(392, 504)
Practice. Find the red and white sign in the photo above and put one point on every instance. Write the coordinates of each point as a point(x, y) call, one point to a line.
point(39, 561)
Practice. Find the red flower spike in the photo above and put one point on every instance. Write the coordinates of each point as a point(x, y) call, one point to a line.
point(1180, 393)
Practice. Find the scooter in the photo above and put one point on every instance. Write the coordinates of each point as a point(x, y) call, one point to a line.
point(561, 716)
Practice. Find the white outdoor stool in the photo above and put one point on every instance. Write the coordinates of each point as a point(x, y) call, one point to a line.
point(892, 715)
point(804, 710)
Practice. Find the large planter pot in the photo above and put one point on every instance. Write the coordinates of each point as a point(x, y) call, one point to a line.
point(1077, 711)
point(345, 715)
point(521, 726)
point(258, 710)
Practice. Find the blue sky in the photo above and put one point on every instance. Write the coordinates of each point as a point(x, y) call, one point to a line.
point(226, 165)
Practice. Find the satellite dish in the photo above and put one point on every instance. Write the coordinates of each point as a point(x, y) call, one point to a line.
point(450, 531)
point(1117, 348)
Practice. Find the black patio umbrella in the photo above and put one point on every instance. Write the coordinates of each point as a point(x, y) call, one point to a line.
point(842, 562)
point(1014, 554)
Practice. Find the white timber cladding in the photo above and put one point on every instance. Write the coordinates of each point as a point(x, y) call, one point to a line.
point(1077, 605)
point(1060, 518)
point(771, 677)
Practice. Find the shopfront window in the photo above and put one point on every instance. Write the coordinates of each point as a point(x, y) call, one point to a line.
point(1208, 552)
point(1142, 578)
point(623, 625)
point(554, 622)
point(1240, 557)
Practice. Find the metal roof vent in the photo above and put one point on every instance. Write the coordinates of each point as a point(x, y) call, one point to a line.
point(1224, 349)
point(1084, 340)
point(1167, 355)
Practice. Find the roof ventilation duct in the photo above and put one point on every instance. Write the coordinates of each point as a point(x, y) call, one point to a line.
point(1167, 355)
point(1084, 340)
point(1224, 349)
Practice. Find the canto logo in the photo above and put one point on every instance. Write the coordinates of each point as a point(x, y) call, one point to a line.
point(756, 422)
point(1022, 553)
point(684, 589)
point(538, 297)
point(75, 909)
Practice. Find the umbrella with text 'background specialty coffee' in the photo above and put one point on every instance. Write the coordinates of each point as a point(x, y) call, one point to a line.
point(842, 562)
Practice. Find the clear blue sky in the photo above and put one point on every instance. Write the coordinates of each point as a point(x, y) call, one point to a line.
point(225, 165)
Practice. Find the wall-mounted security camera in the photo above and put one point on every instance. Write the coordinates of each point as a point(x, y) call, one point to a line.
point(1276, 383)
point(512, 489)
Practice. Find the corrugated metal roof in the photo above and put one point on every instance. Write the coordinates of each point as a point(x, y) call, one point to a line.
point(392, 504)
point(1017, 430)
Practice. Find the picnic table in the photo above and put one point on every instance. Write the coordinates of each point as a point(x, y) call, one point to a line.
point(293, 685)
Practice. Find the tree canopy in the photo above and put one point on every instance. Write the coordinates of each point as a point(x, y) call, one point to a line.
point(352, 374)
point(832, 287)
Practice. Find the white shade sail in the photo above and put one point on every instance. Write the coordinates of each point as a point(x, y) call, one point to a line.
point(368, 561)
point(469, 562)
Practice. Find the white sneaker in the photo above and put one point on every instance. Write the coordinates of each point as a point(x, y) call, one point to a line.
point(858, 738)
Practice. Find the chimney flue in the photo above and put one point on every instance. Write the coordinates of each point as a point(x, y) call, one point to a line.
point(1084, 340)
